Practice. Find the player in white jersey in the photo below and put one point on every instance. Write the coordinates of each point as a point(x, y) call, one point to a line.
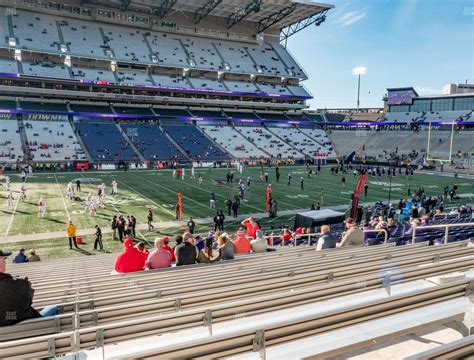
point(10, 199)
point(200, 179)
point(193, 172)
point(92, 206)
point(41, 208)
point(30, 170)
point(174, 174)
point(102, 201)
point(183, 172)
point(23, 192)
point(7, 182)
point(114, 187)
point(88, 201)
point(241, 168)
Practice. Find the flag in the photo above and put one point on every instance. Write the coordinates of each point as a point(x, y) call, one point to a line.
point(269, 196)
point(355, 199)
point(180, 205)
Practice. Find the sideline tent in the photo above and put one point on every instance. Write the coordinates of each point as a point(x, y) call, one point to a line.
point(318, 218)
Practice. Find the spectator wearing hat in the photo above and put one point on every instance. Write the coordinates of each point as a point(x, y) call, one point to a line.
point(71, 234)
point(159, 258)
point(225, 247)
point(259, 244)
point(20, 258)
point(17, 297)
point(130, 259)
point(327, 240)
point(166, 241)
point(208, 254)
point(241, 243)
point(33, 257)
point(353, 235)
point(186, 253)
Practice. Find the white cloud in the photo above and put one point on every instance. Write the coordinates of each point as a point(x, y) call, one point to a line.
point(350, 18)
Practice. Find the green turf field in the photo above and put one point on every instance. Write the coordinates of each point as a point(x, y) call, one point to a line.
point(141, 189)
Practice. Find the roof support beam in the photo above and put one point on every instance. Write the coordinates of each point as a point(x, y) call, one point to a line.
point(242, 13)
point(316, 19)
point(272, 19)
point(205, 10)
point(165, 8)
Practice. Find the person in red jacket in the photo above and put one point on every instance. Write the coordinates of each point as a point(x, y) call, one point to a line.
point(130, 260)
point(143, 250)
point(166, 240)
point(251, 226)
point(241, 243)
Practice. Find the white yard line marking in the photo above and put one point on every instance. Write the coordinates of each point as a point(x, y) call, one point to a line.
point(147, 198)
point(62, 197)
point(13, 216)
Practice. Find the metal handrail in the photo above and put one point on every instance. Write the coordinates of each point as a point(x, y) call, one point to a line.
point(440, 226)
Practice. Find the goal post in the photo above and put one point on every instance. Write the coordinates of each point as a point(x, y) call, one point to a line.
point(429, 156)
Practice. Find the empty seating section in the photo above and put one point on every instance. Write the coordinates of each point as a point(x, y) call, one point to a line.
point(314, 117)
point(46, 69)
point(34, 105)
point(168, 49)
point(133, 77)
point(207, 113)
point(403, 117)
point(52, 141)
point(297, 90)
point(204, 54)
point(191, 140)
point(128, 45)
point(268, 142)
point(271, 116)
point(273, 88)
point(36, 31)
point(240, 115)
point(83, 38)
point(321, 137)
point(171, 112)
point(82, 73)
point(151, 142)
point(288, 60)
point(458, 115)
point(7, 104)
point(8, 66)
point(300, 141)
point(129, 110)
point(91, 108)
point(170, 81)
point(347, 141)
point(207, 84)
point(104, 142)
point(333, 117)
point(11, 148)
point(233, 142)
point(242, 86)
point(4, 30)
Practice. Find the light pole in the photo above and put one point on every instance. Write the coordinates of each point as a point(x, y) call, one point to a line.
point(359, 70)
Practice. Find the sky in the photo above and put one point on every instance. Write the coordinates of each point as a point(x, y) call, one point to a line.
point(421, 43)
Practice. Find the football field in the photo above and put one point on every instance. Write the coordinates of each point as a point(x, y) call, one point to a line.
point(157, 189)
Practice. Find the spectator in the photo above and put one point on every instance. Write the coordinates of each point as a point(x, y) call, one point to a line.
point(353, 235)
point(285, 236)
point(17, 297)
point(327, 240)
point(33, 257)
point(414, 224)
point(225, 247)
point(186, 253)
point(20, 257)
point(208, 254)
point(159, 258)
point(259, 244)
point(142, 248)
point(198, 242)
point(251, 226)
point(166, 246)
point(241, 244)
point(71, 234)
point(130, 260)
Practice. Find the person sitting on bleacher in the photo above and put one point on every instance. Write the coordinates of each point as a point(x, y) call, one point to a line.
point(130, 260)
point(259, 244)
point(20, 257)
point(241, 244)
point(327, 240)
point(159, 258)
point(17, 297)
point(166, 241)
point(186, 253)
point(208, 254)
point(353, 235)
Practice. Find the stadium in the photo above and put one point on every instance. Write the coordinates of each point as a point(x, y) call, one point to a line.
point(170, 191)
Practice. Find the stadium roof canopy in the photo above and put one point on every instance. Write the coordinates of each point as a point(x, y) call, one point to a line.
point(274, 14)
